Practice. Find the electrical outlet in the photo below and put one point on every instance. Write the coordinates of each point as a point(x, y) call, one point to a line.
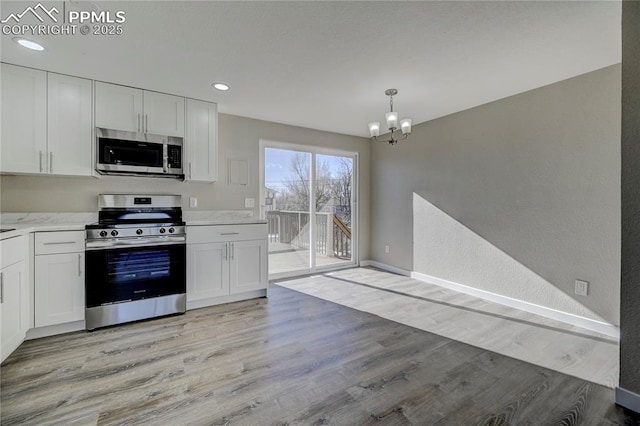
point(386, 248)
point(582, 288)
point(249, 203)
point(193, 202)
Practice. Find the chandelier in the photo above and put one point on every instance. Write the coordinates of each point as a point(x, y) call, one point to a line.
point(392, 122)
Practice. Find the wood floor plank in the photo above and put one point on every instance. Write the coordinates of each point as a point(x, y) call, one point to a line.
point(290, 359)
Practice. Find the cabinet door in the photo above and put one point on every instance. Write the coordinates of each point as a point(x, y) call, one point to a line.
point(69, 125)
point(163, 114)
point(14, 307)
point(24, 120)
point(207, 270)
point(118, 107)
point(201, 141)
point(248, 266)
point(59, 288)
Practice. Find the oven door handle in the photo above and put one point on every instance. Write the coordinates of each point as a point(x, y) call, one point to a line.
point(135, 242)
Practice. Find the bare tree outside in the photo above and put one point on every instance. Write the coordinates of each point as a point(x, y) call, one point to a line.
point(341, 188)
point(332, 191)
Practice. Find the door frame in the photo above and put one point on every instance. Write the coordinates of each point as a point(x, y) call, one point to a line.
point(355, 195)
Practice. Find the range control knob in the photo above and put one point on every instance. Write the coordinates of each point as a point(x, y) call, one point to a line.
point(162, 230)
point(103, 233)
point(171, 230)
point(114, 233)
point(139, 232)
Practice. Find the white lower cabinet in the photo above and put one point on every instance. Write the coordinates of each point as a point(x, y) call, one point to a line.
point(14, 295)
point(248, 266)
point(226, 260)
point(207, 270)
point(59, 277)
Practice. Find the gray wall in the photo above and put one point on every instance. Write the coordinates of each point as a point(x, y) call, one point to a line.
point(630, 286)
point(518, 197)
point(238, 137)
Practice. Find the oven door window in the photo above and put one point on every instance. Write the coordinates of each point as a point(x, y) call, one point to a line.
point(125, 274)
point(130, 153)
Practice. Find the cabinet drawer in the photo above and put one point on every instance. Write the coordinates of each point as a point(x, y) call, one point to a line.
point(59, 242)
point(12, 250)
point(221, 233)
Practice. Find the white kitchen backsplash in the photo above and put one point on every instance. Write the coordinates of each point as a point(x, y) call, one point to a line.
point(48, 218)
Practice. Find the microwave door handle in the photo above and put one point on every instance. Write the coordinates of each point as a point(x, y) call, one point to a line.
point(165, 158)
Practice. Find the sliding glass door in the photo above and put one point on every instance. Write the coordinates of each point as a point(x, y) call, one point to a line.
point(308, 199)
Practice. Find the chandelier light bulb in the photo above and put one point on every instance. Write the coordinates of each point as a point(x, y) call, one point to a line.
point(405, 126)
point(392, 120)
point(374, 129)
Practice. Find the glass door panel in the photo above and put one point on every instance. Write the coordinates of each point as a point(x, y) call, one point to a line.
point(333, 190)
point(287, 175)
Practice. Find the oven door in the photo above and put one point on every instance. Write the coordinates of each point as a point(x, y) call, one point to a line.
point(127, 273)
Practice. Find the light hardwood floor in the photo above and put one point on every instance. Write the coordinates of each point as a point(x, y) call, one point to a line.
point(291, 359)
point(498, 328)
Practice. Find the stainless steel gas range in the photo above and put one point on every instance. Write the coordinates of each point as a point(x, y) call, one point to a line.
point(135, 260)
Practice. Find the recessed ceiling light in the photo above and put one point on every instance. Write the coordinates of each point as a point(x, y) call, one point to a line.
point(29, 44)
point(220, 86)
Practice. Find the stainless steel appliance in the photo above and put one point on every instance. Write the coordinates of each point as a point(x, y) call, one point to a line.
point(139, 154)
point(135, 260)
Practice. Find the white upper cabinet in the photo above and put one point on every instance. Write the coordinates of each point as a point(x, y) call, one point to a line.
point(119, 107)
point(46, 123)
point(24, 120)
point(201, 141)
point(163, 114)
point(69, 125)
point(137, 110)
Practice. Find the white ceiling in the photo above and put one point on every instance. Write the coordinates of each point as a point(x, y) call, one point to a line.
point(326, 65)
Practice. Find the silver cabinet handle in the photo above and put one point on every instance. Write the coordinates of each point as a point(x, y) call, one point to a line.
point(229, 233)
point(233, 249)
point(146, 123)
point(226, 251)
point(50, 162)
point(79, 265)
point(1, 287)
point(139, 130)
point(40, 161)
point(189, 169)
point(53, 243)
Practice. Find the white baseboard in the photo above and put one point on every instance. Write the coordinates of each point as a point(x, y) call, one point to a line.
point(576, 320)
point(386, 267)
point(628, 399)
point(203, 303)
point(52, 330)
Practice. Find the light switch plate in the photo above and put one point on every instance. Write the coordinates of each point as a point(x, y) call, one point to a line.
point(249, 203)
point(193, 202)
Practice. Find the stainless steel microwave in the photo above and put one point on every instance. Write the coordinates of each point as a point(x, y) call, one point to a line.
point(140, 154)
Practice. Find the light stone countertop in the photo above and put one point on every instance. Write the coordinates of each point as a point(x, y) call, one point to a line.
point(225, 222)
point(220, 217)
point(24, 223)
